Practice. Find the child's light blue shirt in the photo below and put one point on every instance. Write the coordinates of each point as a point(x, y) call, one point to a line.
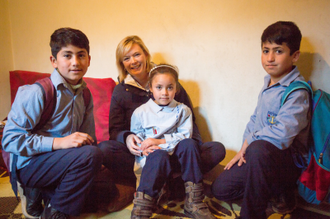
point(172, 123)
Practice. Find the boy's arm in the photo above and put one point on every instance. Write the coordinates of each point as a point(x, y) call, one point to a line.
point(250, 126)
point(23, 117)
point(292, 118)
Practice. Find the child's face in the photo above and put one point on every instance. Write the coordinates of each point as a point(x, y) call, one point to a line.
point(72, 63)
point(276, 60)
point(163, 88)
point(135, 61)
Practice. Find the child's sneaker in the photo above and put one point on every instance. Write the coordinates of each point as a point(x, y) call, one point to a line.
point(194, 206)
point(143, 206)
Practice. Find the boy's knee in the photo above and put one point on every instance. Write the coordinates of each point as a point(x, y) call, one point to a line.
point(224, 190)
point(260, 150)
point(93, 155)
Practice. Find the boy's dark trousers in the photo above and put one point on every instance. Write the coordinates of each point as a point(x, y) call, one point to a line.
point(159, 166)
point(268, 172)
point(64, 176)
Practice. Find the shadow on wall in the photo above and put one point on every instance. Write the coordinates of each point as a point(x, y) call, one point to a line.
point(314, 68)
point(193, 91)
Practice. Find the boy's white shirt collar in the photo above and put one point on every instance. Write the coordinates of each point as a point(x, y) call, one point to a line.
point(286, 80)
point(131, 81)
point(58, 79)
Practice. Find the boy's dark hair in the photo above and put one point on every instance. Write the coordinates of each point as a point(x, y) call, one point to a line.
point(68, 36)
point(283, 32)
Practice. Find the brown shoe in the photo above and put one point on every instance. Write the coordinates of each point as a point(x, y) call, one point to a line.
point(194, 206)
point(143, 206)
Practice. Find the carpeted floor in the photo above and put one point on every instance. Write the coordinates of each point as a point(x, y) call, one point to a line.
point(10, 208)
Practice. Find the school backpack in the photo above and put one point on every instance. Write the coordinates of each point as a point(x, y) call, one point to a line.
point(314, 182)
point(49, 94)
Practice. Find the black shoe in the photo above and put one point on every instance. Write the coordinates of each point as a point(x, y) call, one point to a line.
point(31, 201)
point(51, 213)
point(285, 203)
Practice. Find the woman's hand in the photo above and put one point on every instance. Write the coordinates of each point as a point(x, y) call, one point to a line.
point(74, 140)
point(131, 141)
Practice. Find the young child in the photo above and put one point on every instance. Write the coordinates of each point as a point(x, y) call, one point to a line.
point(275, 137)
point(57, 160)
point(162, 124)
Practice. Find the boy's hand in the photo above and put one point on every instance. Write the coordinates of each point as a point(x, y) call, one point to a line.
point(233, 161)
point(243, 149)
point(74, 140)
point(151, 142)
point(240, 157)
point(131, 142)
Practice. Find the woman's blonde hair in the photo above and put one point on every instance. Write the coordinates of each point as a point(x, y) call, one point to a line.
point(123, 47)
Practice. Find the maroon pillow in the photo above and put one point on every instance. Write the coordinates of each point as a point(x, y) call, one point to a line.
point(101, 89)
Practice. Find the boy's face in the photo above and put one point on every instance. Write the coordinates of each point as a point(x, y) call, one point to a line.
point(163, 88)
point(277, 61)
point(72, 63)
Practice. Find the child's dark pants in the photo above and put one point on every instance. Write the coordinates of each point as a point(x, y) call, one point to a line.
point(159, 166)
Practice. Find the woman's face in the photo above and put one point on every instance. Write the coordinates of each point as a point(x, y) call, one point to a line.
point(135, 61)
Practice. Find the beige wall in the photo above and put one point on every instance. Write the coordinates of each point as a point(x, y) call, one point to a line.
point(6, 59)
point(215, 44)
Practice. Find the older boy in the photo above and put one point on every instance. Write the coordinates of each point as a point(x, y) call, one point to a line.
point(275, 137)
point(58, 158)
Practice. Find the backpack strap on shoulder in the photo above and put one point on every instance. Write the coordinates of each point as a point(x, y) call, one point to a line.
point(296, 85)
point(87, 96)
point(49, 93)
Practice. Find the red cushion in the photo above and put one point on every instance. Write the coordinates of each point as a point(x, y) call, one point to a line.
point(101, 89)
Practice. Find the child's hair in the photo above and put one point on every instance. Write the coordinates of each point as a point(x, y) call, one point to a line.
point(123, 47)
point(283, 32)
point(68, 36)
point(165, 69)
